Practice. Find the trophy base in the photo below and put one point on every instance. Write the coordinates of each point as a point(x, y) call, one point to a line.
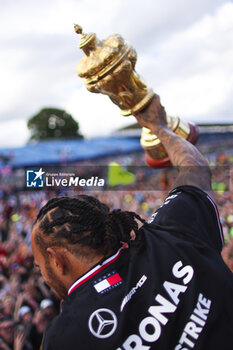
point(165, 162)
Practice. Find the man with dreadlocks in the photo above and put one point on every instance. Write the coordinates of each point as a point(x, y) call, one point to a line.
point(168, 288)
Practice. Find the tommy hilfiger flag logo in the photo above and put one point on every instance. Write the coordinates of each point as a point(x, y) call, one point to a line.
point(107, 282)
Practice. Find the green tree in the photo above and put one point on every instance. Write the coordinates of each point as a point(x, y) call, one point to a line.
point(53, 123)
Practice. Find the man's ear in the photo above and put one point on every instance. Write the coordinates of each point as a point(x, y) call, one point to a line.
point(57, 259)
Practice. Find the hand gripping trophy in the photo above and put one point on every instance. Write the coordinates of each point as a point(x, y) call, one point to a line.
point(108, 68)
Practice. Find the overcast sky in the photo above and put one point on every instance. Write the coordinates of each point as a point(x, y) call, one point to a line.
point(185, 52)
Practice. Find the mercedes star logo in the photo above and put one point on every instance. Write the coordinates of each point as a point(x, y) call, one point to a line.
point(102, 323)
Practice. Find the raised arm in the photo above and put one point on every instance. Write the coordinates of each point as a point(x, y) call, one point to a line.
point(192, 167)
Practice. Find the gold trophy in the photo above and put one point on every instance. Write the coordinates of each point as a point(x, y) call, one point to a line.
point(108, 68)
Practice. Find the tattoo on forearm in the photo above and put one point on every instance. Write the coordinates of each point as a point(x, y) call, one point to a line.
point(191, 165)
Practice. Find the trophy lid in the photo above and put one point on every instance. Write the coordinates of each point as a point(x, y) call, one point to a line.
point(100, 56)
point(87, 41)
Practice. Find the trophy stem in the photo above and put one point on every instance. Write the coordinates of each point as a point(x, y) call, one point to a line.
point(155, 154)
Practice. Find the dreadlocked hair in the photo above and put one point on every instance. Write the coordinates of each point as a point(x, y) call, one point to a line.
point(84, 222)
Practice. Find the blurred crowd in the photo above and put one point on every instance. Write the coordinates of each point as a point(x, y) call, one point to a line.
point(27, 305)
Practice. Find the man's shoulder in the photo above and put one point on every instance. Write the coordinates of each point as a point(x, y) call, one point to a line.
point(190, 213)
point(54, 324)
point(54, 334)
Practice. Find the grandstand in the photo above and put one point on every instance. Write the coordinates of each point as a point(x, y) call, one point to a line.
point(122, 142)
